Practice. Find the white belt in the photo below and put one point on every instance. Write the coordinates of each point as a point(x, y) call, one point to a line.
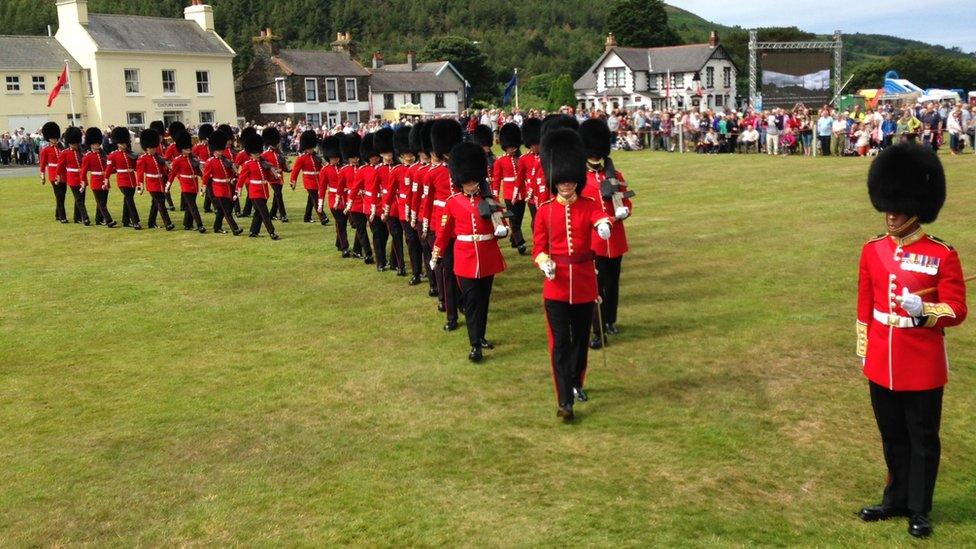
point(508, 179)
point(310, 173)
point(257, 181)
point(154, 175)
point(367, 193)
point(220, 180)
point(440, 203)
point(52, 165)
point(96, 173)
point(475, 237)
point(897, 321)
point(402, 195)
point(123, 171)
point(73, 170)
point(184, 176)
point(333, 190)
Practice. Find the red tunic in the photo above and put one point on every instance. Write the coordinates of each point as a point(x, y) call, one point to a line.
point(476, 252)
point(256, 178)
point(439, 181)
point(48, 161)
point(278, 166)
point(420, 189)
point(349, 180)
point(217, 173)
point(505, 173)
point(617, 245)
point(368, 185)
point(398, 197)
point(93, 171)
point(329, 182)
point(183, 170)
point(562, 233)
point(120, 163)
point(896, 355)
point(202, 151)
point(150, 173)
point(532, 179)
point(388, 202)
point(171, 152)
point(69, 167)
point(309, 166)
point(408, 187)
point(240, 158)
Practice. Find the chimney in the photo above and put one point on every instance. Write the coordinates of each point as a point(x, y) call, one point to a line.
point(610, 43)
point(343, 43)
point(713, 39)
point(377, 60)
point(201, 14)
point(72, 12)
point(266, 42)
point(412, 60)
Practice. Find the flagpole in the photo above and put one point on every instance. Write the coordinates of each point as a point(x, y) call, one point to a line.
point(71, 92)
point(516, 89)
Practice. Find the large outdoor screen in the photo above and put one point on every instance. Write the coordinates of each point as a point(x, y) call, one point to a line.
point(789, 78)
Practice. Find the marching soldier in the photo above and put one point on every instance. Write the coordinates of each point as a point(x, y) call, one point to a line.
point(255, 173)
point(354, 207)
point(910, 289)
point(309, 165)
point(122, 162)
point(371, 189)
point(218, 176)
point(239, 159)
point(605, 185)
point(477, 257)
point(484, 137)
point(563, 250)
point(160, 129)
point(69, 171)
point(445, 133)
point(93, 175)
point(419, 191)
point(401, 195)
point(506, 175)
point(386, 203)
point(202, 152)
point(530, 169)
point(48, 162)
point(150, 175)
point(332, 189)
point(272, 155)
point(186, 168)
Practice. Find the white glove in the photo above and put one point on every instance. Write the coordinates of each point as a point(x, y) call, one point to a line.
point(320, 205)
point(501, 231)
point(603, 229)
point(622, 212)
point(549, 269)
point(911, 303)
point(433, 263)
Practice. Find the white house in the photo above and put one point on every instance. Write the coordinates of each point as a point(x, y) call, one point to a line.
point(436, 88)
point(701, 75)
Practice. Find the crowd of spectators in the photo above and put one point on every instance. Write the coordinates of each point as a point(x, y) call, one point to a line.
point(19, 148)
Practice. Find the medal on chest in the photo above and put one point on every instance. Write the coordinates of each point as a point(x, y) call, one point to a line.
point(918, 263)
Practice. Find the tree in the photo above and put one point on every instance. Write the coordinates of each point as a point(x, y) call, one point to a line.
point(641, 24)
point(467, 57)
point(561, 92)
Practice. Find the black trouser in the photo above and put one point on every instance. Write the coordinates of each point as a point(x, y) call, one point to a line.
point(261, 214)
point(427, 249)
point(130, 215)
point(608, 282)
point(169, 200)
point(532, 209)
point(380, 235)
point(395, 229)
point(101, 207)
point(909, 425)
point(312, 205)
point(447, 287)
point(515, 222)
point(191, 214)
point(60, 190)
point(475, 294)
point(278, 203)
point(342, 235)
point(81, 211)
point(359, 223)
point(824, 145)
point(248, 207)
point(208, 199)
point(225, 211)
point(569, 329)
point(414, 249)
point(159, 206)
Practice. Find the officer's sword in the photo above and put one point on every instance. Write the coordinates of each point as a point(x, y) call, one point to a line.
point(928, 291)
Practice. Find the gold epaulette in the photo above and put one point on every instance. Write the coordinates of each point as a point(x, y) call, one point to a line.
point(877, 238)
point(940, 241)
point(548, 201)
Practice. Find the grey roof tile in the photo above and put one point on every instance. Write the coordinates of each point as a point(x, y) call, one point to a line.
point(153, 34)
point(33, 52)
point(396, 81)
point(320, 63)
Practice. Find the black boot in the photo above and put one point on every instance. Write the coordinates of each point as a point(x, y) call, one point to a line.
point(920, 526)
point(580, 394)
point(475, 354)
point(414, 281)
point(565, 412)
point(874, 513)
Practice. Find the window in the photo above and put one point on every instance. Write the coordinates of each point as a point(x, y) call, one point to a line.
point(331, 90)
point(280, 89)
point(203, 82)
point(38, 83)
point(169, 81)
point(719, 100)
point(651, 81)
point(91, 85)
point(727, 77)
point(132, 81)
point(351, 89)
point(439, 100)
point(678, 80)
point(207, 117)
point(388, 101)
point(311, 90)
point(135, 121)
point(74, 120)
point(13, 84)
point(314, 119)
point(353, 117)
point(333, 119)
point(709, 77)
point(415, 98)
point(614, 77)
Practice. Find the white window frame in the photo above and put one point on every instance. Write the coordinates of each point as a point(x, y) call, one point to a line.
point(35, 83)
point(710, 78)
point(719, 101)
point(210, 119)
point(134, 81)
point(281, 95)
point(91, 84)
point(727, 77)
point(350, 115)
point(391, 104)
point(74, 119)
point(137, 127)
point(440, 96)
point(678, 80)
point(333, 118)
point(203, 85)
point(172, 82)
point(416, 98)
point(12, 83)
point(651, 81)
point(355, 90)
point(313, 119)
point(331, 95)
point(619, 77)
point(314, 97)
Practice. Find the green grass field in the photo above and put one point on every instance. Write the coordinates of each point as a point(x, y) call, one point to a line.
point(175, 388)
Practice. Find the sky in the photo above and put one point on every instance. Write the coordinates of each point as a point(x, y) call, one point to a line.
point(945, 22)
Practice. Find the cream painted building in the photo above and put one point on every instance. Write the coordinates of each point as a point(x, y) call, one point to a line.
point(30, 67)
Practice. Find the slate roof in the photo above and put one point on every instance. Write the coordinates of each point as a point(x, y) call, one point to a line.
point(687, 58)
point(41, 53)
point(396, 81)
point(433, 66)
point(319, 63)
point(130, 33)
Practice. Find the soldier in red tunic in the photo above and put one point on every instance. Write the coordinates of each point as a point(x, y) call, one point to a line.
point(483, 136)
point(93, 175)
point(505, 176)
point(202, 152)
point(49, 167)
point(530, 169)
point(385, 201)
point(396, 207)
point(279, 165)
point(354, 208)
point(69, 171)
point(218, 175)
point(900, 334)
point(333, 192)
point(239, 159)
point(308, 165)
point(185, 170)
point(161, 149)
point(563, 250)
point(151, 176)
point(255, 173)
point(445, 133)
point(122, 163)
point(420, 192)
point(477, 257)
point(171, 152)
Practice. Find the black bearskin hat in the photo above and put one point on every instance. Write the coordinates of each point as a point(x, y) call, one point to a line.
point(351, 144)
point(467, 163)
point(308, 140)
point(121, 135)
point(563, 159)
point(205, 131)
point(250, 130)
point(93, 136)
point(218, 141)
point(401, 141)
point(596, 138)
point(907, 179)
point(510, 136)
point(158, 127)
point(425, 144)
point(383, 141)
point(51, 130)
point(148, 138)
point(483, 136)
point(531, 131)
point(183, 140)
point(72, 135)
point(556, 121)
point(253, 143)
point(415, 133)
point(330, 147)
point(367, 148)
point(176, 127)
point(228, 131)
point(271, 136)
point(444, 134)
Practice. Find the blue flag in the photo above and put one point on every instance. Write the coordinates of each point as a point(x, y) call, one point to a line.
point(507, 96)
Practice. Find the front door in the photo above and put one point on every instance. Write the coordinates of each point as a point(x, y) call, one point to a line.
point(172, 116)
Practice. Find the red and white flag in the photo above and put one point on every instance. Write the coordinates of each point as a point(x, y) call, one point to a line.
point(62, 80)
